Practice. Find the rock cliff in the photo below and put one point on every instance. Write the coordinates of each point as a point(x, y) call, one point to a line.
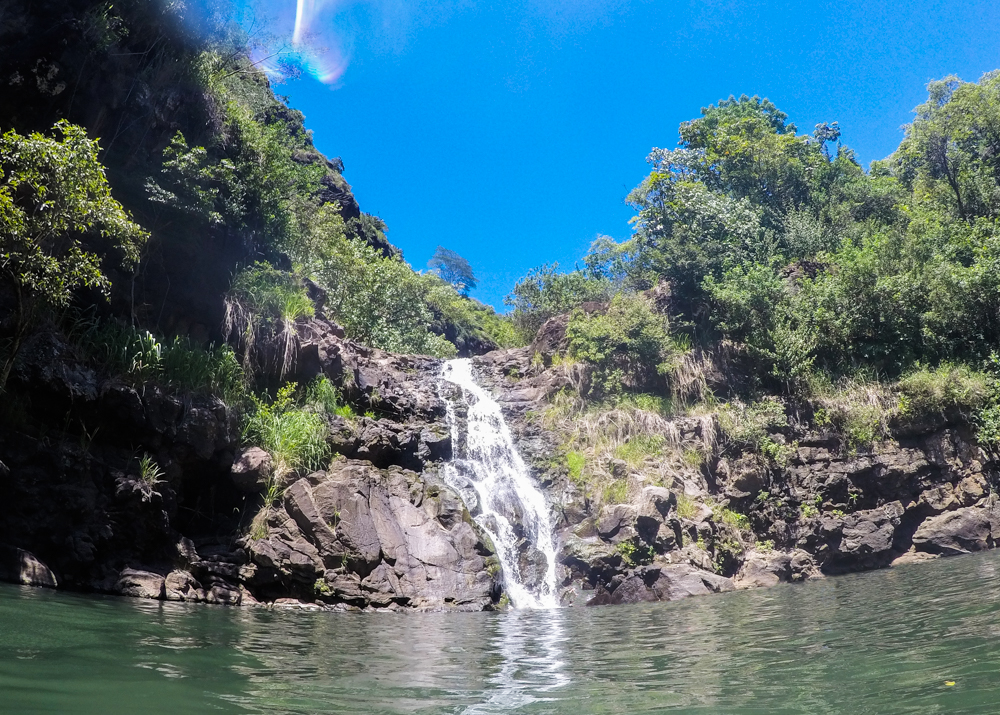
point(380, 528)
point(730, 521)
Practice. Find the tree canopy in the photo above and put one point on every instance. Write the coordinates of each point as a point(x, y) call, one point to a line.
point(454, 269)
point(782, 246)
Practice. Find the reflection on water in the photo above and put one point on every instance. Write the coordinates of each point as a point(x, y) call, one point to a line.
point(532, 666)
point(885, 642)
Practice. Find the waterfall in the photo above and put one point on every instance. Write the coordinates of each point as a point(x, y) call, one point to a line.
point(493, 481)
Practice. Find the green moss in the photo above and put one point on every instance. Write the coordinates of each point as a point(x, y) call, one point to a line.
point(575, 463)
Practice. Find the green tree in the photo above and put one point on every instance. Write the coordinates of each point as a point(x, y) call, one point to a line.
point(58, 224)
point(628, 345)
point(545, 292)
point(951, 152)
point(454, 269)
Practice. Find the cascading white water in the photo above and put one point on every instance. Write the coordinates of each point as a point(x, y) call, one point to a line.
point(494, 483)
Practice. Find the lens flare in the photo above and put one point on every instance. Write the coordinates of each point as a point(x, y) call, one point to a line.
point(316, 48)
point(302, 37)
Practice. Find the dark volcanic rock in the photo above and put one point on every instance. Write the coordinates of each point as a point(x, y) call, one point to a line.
point(251, 470)
point(769, 568)
point(661, 583)
point(958, 532)
point(140, 584)
point(373, 538)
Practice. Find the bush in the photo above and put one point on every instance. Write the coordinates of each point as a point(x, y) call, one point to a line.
point(748, 425)
point(261, 309)
point(380, 301)
point(628, 346)
point(545, 293)
point(944, 389)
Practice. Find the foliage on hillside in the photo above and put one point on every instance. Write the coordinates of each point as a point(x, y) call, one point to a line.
point(808, 273)
point(203, 212)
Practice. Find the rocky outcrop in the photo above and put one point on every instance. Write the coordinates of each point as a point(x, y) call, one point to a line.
point(959, 532)
point(399, 387)
point(378, 529)
point(660, 583)
point(823, 510)
point(359, 536)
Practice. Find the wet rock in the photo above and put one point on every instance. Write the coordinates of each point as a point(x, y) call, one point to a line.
point(182, 586)
point(913, 557)
point(661, 583)
point(20, 566)
point(957, 532)
point(762, 569)
point(377, 538)
point(140, 584)
point(251, 470)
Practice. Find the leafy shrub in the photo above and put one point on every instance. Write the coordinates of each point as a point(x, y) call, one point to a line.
point(725, 515)
point(381, 301)
point(988, 427)
point(634, 555)
point(628, 345)
point(545, 292)
point(58, 224)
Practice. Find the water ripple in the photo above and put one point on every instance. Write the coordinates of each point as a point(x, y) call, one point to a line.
point(919, 639)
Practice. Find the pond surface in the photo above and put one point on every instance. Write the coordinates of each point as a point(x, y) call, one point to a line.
point(916, 639)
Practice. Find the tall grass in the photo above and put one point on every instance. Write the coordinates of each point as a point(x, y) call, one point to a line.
point(261, 309)
point(141, 357)
point(294, 436)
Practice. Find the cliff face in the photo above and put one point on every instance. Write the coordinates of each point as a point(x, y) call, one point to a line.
point(682, 527)
point(377, 528)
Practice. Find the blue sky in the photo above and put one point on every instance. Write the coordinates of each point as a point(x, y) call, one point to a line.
point(511, 131)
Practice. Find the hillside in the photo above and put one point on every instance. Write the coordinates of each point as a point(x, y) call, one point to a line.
point(221, 382)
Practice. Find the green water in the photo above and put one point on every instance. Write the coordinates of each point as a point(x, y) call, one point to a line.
point(883, 642)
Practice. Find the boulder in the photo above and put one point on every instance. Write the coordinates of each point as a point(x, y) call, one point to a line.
point(140, 584)
point(182, 586)
point(20, 566)
point(862, 539)
point(617, 522)
point(660, 583)
point(761, 569)
point(251, 470)
point(957, 532)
